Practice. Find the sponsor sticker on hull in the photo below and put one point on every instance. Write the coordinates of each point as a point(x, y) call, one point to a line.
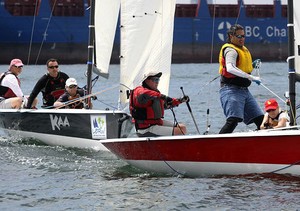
point(98, 126)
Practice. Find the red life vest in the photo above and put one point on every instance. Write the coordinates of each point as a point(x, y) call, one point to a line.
point(146, 107)
point(6, 92)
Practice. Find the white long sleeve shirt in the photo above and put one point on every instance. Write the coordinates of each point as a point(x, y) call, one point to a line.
point(11, 81)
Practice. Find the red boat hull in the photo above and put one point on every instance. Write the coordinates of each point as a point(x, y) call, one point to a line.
point(244, 153)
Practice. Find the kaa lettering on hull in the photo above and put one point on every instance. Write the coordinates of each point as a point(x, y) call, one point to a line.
point(95, 125)
point(57, 122)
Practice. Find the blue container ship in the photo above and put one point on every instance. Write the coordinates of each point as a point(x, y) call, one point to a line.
point(35, 30)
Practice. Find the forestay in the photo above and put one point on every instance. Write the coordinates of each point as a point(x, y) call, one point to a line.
point(106, 18)
point(146, 42)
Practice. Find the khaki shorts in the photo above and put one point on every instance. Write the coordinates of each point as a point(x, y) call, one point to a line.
point(5, 104)
point(167, 129)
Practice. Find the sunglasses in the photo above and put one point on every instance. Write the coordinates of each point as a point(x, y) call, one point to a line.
point(155, 79)
point(52, 67)
point(239, 36)
point(72, 86)
point(270, 110)
point(18, 66)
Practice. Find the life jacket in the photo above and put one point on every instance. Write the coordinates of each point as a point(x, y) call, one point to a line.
point(77, 104)
point(54, 88)
point(72, 101)
point(6, 92)
point(274, 121)
point(149, 113)
point(244, 61)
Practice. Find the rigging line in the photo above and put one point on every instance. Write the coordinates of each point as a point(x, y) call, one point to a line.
point(82, 98)
point(215, 78)
point(85, 97)
point(211, 61)
point(273, 93)
point(237, 18)
point(32, 30)
point(162, 157)
point(44, 35)
point(113, 107)
point(292, 113)
point(175, 119)
point(212, 36)
point(286, 167)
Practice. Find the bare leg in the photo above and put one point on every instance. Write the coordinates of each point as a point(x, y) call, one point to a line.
point(16, 102)
point(180, 129)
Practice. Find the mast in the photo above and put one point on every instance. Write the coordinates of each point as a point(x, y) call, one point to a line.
point(291, 63)
point(90, 49)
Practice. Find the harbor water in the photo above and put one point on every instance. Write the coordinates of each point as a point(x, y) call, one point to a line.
point(39, 177)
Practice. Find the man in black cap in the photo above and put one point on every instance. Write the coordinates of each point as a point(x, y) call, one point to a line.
point(147, 106)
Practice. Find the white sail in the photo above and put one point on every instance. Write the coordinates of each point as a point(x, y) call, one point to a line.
point(297, 34)
point(106, 18)
point(146, 42)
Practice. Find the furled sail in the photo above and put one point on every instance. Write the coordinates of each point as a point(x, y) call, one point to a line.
point(146, 42)
point(106, 18)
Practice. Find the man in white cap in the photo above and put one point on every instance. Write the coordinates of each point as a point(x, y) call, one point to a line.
point(11, 95)
point(147, 106)
point(70, 99)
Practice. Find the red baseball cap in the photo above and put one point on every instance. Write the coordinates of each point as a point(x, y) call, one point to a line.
point(271, 104)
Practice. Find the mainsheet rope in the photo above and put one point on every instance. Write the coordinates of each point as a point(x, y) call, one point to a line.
point(83, 98)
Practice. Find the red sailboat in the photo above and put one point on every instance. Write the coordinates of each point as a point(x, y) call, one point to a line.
point(268, 151)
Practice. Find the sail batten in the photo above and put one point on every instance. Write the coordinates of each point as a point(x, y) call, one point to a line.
point(146, 42)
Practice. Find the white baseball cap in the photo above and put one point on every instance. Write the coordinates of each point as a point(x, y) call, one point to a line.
point(71, 81)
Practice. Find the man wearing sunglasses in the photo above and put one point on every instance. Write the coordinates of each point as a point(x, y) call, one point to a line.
point(52, 84)
point(71, 97)
point(11, 95)
point(235, 68)
point(274, 117)
point(147, 106)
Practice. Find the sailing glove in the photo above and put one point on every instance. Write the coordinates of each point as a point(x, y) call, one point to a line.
point(255, 79)
point(185, 98)
point(167, 99)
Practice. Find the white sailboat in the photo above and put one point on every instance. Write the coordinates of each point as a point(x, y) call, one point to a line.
point(74, 127)
point(267, 151)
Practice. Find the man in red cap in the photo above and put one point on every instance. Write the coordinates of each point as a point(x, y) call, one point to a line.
point(11, 95)
point(274, 117)
point(147, 106)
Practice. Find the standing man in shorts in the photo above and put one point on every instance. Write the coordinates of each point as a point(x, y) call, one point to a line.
point(236, 66)
point(147, 107)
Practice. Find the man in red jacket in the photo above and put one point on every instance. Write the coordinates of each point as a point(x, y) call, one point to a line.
point(147, 107)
